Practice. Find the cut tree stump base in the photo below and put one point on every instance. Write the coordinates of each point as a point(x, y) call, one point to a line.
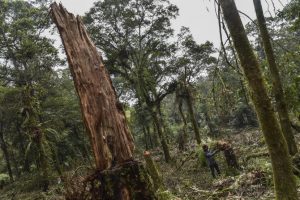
point(129, 181)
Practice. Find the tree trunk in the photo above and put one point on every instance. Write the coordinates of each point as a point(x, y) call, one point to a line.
point(161, 135)
point(155, 135)
point(276, 81)
point(149, 136)
point(145, 138)
point(6, 156)
point(285, 186)
point(33, 129)
point(165, 126)
point(184, 129)
point(192, 117)
point(103, 115)
point(22, 151)
point(15, 164)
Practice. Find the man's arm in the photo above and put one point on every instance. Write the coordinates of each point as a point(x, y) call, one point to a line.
point(209, 153)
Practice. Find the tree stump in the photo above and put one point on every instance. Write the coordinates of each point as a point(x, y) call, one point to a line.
point(125, 182)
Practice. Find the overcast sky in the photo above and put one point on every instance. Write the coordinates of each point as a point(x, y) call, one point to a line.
point(198, 15)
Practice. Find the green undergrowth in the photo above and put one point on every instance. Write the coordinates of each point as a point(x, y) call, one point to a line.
point(27, 188)
point(188, 177)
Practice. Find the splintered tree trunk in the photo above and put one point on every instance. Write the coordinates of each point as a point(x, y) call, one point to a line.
point(276, 81)
point(285, 185)
point(119, 175)
point(102, 114)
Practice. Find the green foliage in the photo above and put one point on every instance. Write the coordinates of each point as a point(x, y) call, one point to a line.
point(201, 157)
point(35, 99)
point(136, 48)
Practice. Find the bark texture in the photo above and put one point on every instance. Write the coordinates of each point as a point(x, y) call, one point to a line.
point(276, 81)
point(103, 116)
point(285, 186)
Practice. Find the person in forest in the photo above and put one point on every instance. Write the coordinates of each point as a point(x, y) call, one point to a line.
point(209, 155)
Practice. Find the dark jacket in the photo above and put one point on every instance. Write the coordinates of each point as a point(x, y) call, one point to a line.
point(209, 155)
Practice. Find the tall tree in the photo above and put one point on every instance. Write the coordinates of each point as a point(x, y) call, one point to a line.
point(27, 58)
point(134, 36)
point(194, 59)
point(276, 81)
point(285, 185)
point(3, 123)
